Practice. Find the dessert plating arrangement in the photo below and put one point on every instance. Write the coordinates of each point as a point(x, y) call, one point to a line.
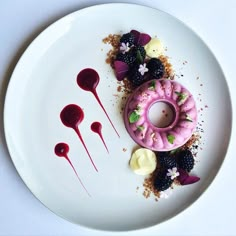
point(164, 153)
point(121, 123)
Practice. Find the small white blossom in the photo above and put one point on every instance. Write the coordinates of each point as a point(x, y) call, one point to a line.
point(142, 69)
point(165, 194)
point(124, 47)
point(173, 173)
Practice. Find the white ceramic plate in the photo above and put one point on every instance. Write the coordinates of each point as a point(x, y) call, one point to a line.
point(44, 81)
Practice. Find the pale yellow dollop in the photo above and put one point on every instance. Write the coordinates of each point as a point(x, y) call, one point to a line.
point(143, 161)
point(154, 48)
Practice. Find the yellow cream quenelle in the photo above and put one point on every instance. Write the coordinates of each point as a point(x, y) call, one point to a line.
point(154, 48)
point(143, 161)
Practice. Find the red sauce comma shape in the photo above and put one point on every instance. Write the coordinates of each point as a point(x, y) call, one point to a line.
point(88, 80)
point(71, 116)
point(96, 127)
point(61, 150)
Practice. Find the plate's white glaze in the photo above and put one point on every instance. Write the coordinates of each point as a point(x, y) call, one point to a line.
point(44, 81)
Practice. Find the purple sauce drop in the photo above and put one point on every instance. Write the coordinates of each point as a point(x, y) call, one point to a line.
point(71, 116)
point(96, 127)
point(88, 79)
point(61, 150)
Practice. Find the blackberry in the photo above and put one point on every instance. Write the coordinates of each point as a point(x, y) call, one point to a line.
point(186, 160)
point(156, 68)
point(142, 52)
point(166, 160)
point(162, 181)
point(135, 77)
point(128, 58)
point(127, 38)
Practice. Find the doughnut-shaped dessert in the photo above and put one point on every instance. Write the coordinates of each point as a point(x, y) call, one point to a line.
point(141, 129)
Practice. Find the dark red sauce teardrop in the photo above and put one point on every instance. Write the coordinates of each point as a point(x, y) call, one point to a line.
point(71, 116)
point(88, 79)
point(96, 127)
point(61, 150)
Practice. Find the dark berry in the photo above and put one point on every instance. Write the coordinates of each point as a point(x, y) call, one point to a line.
point(128, 58)
point(135, 76)
point(156, 68)
point(138, 51)
point(166, 160)
point(186, 160)
point(162, 181)
point(127, 38)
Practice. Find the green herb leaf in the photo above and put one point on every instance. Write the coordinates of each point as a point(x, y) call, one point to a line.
point(139, 57)
point(133, 117)
point(170, 138)
point(181, 96)
point(188, 118)
point(152, 85)
point(140, 127)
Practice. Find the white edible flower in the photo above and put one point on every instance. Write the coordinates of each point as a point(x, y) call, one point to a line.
point(142, 69)
point(173, 173)
point(165, 194)
point(124, 47)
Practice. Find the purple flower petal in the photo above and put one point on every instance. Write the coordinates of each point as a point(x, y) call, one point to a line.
point(136, 35)
point(144, 39)
point(184, 178)
point(121, 69)
point(191, 180)
point(183, 175)
point(140, 38)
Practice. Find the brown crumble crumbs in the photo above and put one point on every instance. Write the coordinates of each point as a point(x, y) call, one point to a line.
point(192, 142)
point(119, 88)
point(125, 86)
point(113, 40)
point(124, 149)
point(169, 72)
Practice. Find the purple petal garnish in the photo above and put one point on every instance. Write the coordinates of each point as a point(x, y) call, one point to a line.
point(184, 178)
point(121, 69)
point(140, 38)
point(144, 39)
point(136, 35)
point(191, 180)
point(183, 175)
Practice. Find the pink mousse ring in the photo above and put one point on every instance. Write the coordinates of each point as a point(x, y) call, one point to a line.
point(142, 130)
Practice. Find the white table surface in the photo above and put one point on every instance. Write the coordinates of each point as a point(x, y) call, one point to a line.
point(21, 213)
